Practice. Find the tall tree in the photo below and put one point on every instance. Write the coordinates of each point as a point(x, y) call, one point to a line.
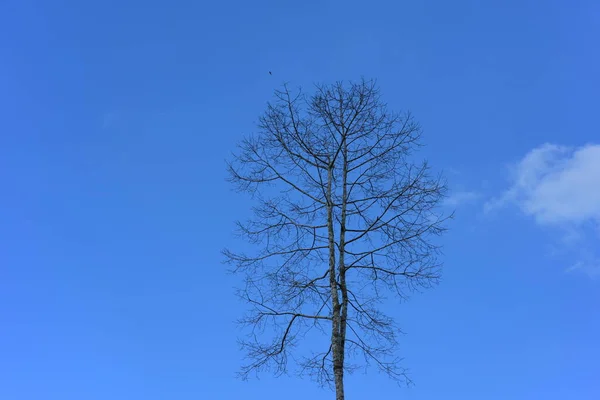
point(343, 216)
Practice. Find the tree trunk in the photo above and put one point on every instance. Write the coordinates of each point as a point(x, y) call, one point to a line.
point(336, 339)
point(341, 258)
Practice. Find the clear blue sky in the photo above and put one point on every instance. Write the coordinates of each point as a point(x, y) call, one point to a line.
point(116, 117)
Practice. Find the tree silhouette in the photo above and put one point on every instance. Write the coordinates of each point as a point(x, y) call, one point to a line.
point(343, 216)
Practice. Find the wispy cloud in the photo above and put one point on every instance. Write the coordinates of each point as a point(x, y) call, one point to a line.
point(559, 186)
point(589, 267)
point(459, 198)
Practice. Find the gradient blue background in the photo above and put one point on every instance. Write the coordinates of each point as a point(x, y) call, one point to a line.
point(116, 117)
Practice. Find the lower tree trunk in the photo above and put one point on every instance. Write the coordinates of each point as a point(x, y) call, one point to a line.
point(338, 375)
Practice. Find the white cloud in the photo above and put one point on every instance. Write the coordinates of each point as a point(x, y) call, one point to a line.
point(558, 186)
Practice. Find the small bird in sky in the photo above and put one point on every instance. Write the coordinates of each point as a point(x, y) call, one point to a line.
point(270, 73)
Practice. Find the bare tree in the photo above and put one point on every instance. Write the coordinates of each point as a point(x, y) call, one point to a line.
point(343, 216)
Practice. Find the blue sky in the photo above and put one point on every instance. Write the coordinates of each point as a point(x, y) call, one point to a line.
point(116, 119)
